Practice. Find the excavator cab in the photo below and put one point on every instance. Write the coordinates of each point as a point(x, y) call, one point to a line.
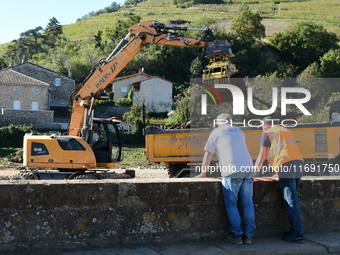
point(106, 141)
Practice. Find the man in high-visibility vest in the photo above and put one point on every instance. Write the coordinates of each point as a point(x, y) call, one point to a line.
point(279, 147)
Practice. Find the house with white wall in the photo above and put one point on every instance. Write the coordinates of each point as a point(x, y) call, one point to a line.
point(122, 85)
point(154, 91)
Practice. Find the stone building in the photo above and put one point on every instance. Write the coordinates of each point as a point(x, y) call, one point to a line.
point(24, 100)
point(60, 87)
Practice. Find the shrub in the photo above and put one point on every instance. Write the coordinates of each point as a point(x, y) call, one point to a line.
point(110, 95)
point(12, 135)
point(124, 102)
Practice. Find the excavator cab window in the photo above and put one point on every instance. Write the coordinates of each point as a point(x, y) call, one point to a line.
point(101, 146)
point(116, 150)
point(70, 144)
point(106, 142)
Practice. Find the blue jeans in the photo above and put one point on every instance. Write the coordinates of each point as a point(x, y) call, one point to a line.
point(289, 182)
point(233, 188)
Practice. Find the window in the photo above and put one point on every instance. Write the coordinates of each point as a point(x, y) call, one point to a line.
point(35, 106)
point(38, 149)
point(16, 105)
point(124, 89)
point(70, 144)
point(35, 90)
point(17, 89)
point(57, 82)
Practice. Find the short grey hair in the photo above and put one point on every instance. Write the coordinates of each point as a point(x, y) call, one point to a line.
point(268, 120)
point(224, 116)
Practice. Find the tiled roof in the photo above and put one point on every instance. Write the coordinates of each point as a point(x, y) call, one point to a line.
point(131, 75)
point(39, 67)
point(11, 77)
point(150, 78)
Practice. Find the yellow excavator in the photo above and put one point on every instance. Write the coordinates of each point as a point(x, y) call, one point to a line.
point(93, 143)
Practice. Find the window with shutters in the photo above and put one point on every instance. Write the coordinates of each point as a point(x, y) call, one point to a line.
point(57, 82)
point(16, 105)
point(35, 106)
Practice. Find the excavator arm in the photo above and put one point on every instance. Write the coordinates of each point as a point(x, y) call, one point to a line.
point(80, 150)
point(147, 32)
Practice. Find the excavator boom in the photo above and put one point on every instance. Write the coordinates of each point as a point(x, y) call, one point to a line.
point(147, 32)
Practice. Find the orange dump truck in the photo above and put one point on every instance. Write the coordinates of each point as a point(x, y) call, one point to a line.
point(181, 149)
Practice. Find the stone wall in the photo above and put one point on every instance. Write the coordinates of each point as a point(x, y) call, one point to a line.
point(109, 111)
point(97, 213)
point(26, 117)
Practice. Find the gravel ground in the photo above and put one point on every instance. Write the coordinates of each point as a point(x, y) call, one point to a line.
point(149, 173)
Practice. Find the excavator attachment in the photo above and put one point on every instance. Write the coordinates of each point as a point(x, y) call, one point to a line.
point(219, 53)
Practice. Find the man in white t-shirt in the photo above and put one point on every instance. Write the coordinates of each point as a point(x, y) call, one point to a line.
point(235, 163)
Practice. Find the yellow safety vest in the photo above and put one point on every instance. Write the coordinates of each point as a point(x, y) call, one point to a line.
point(283, 147)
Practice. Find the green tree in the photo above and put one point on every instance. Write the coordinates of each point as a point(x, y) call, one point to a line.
point(330, 64)
point(197, 2)
point(32, 39)
point(247, 26)
point(121, 27)
point(303, 43)
point(313, 70)
point(112, 8)
point(183, 110)
point(196, 67)
point(258, 59)
point(54, 32)
point(131, 2)
point(2, 63)
point(109, 9)
point(30, 43)
point(98, 40)
point(173, 63)
point(139, 116)
point(17, 51)
point(207, 1)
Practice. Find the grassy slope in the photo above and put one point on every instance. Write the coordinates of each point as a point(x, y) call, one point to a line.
point(276, 17)
point(288, 12)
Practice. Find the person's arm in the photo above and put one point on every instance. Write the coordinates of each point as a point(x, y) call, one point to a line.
point(264, 151)
point(205, 164)
point(260, 158)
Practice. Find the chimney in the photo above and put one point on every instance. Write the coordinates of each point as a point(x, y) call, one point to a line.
point(70, 73)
